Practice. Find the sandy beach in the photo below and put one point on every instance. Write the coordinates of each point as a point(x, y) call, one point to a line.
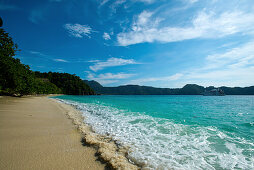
point(36, 134)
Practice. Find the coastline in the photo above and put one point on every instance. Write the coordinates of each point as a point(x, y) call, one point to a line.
point(107, 150)
point(35, 134)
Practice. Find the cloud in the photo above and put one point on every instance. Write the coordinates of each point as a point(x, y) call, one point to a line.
point(146, 1)
point(224, 77)
point(192, 1)
point(48, 57)
point(236, 57)
point(142, 20)
point(60, 60)
point(111, 62)
point(103, 2)
point(117, 3)
point(114, 5)
point(106, 36)
point(37, 53)
point(108, 78)
point(79, 31)
point(234, 67)
point(4, 6)
point(93, 61)
point(114, 76)
point(156, 79)
point(205, 25)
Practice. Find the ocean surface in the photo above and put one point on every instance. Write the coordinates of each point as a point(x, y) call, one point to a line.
point(176, 132)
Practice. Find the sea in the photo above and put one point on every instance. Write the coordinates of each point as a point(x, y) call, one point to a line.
point(174, 131)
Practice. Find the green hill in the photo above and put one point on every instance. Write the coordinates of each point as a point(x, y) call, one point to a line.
point(189, 89)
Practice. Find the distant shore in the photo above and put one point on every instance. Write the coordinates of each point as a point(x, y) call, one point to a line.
point(36, 134)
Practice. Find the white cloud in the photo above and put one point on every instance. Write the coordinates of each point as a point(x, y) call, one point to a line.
point(156, 79)
point(48, 57)
point(60, 60)
point(240, 56)
point(103, 2)
point(111, 62)
point(37, 53)
point(205, 25)
point(146, 1)
point(142, 20)
point(234, 67)
point(106, 36)
point(108, 78)
point(192, 1)
point(93, 61)
point(117, 3)
point(78, 30)
point(114, 76)
point(224, 77)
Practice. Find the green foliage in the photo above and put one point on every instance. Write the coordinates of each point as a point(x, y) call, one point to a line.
point(18, 79)
point(238, 90)
point(7, 46)
point(14, 76)
point(191, 89)
point(69, 84)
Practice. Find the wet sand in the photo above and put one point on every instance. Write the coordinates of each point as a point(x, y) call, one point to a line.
point(36, 134)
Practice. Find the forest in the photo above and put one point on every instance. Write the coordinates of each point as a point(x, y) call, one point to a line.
point(17, 79)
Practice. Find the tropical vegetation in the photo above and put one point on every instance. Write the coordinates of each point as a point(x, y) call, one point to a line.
point(17, 79)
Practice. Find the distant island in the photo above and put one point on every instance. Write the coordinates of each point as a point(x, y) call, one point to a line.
point(189, 89)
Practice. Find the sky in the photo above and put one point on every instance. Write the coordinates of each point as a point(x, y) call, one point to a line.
point(160, 43)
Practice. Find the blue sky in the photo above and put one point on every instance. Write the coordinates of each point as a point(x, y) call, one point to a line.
point(161, 43)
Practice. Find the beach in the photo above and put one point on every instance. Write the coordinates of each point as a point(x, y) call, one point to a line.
point(35, 133)
point(125, 132)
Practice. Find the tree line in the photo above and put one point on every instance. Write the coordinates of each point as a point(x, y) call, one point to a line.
point(68, 83)
point(17, 79)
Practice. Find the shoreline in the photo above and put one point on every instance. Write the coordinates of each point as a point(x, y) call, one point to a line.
point(35, 134)
point(107, 149)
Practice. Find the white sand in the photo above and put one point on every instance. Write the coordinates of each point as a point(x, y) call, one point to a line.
point(36, 134)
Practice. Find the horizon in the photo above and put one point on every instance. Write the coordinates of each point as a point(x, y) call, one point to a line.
point(216, 87)
point(162, 44)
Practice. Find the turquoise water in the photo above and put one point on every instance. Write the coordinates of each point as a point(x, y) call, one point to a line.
point(178, 132)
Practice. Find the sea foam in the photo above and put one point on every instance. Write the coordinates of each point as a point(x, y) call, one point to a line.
point(158, 143)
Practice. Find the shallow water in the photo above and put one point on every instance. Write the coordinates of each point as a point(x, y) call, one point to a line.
point(179, 132)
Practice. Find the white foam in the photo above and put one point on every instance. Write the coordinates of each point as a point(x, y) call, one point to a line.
point(161, 144)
